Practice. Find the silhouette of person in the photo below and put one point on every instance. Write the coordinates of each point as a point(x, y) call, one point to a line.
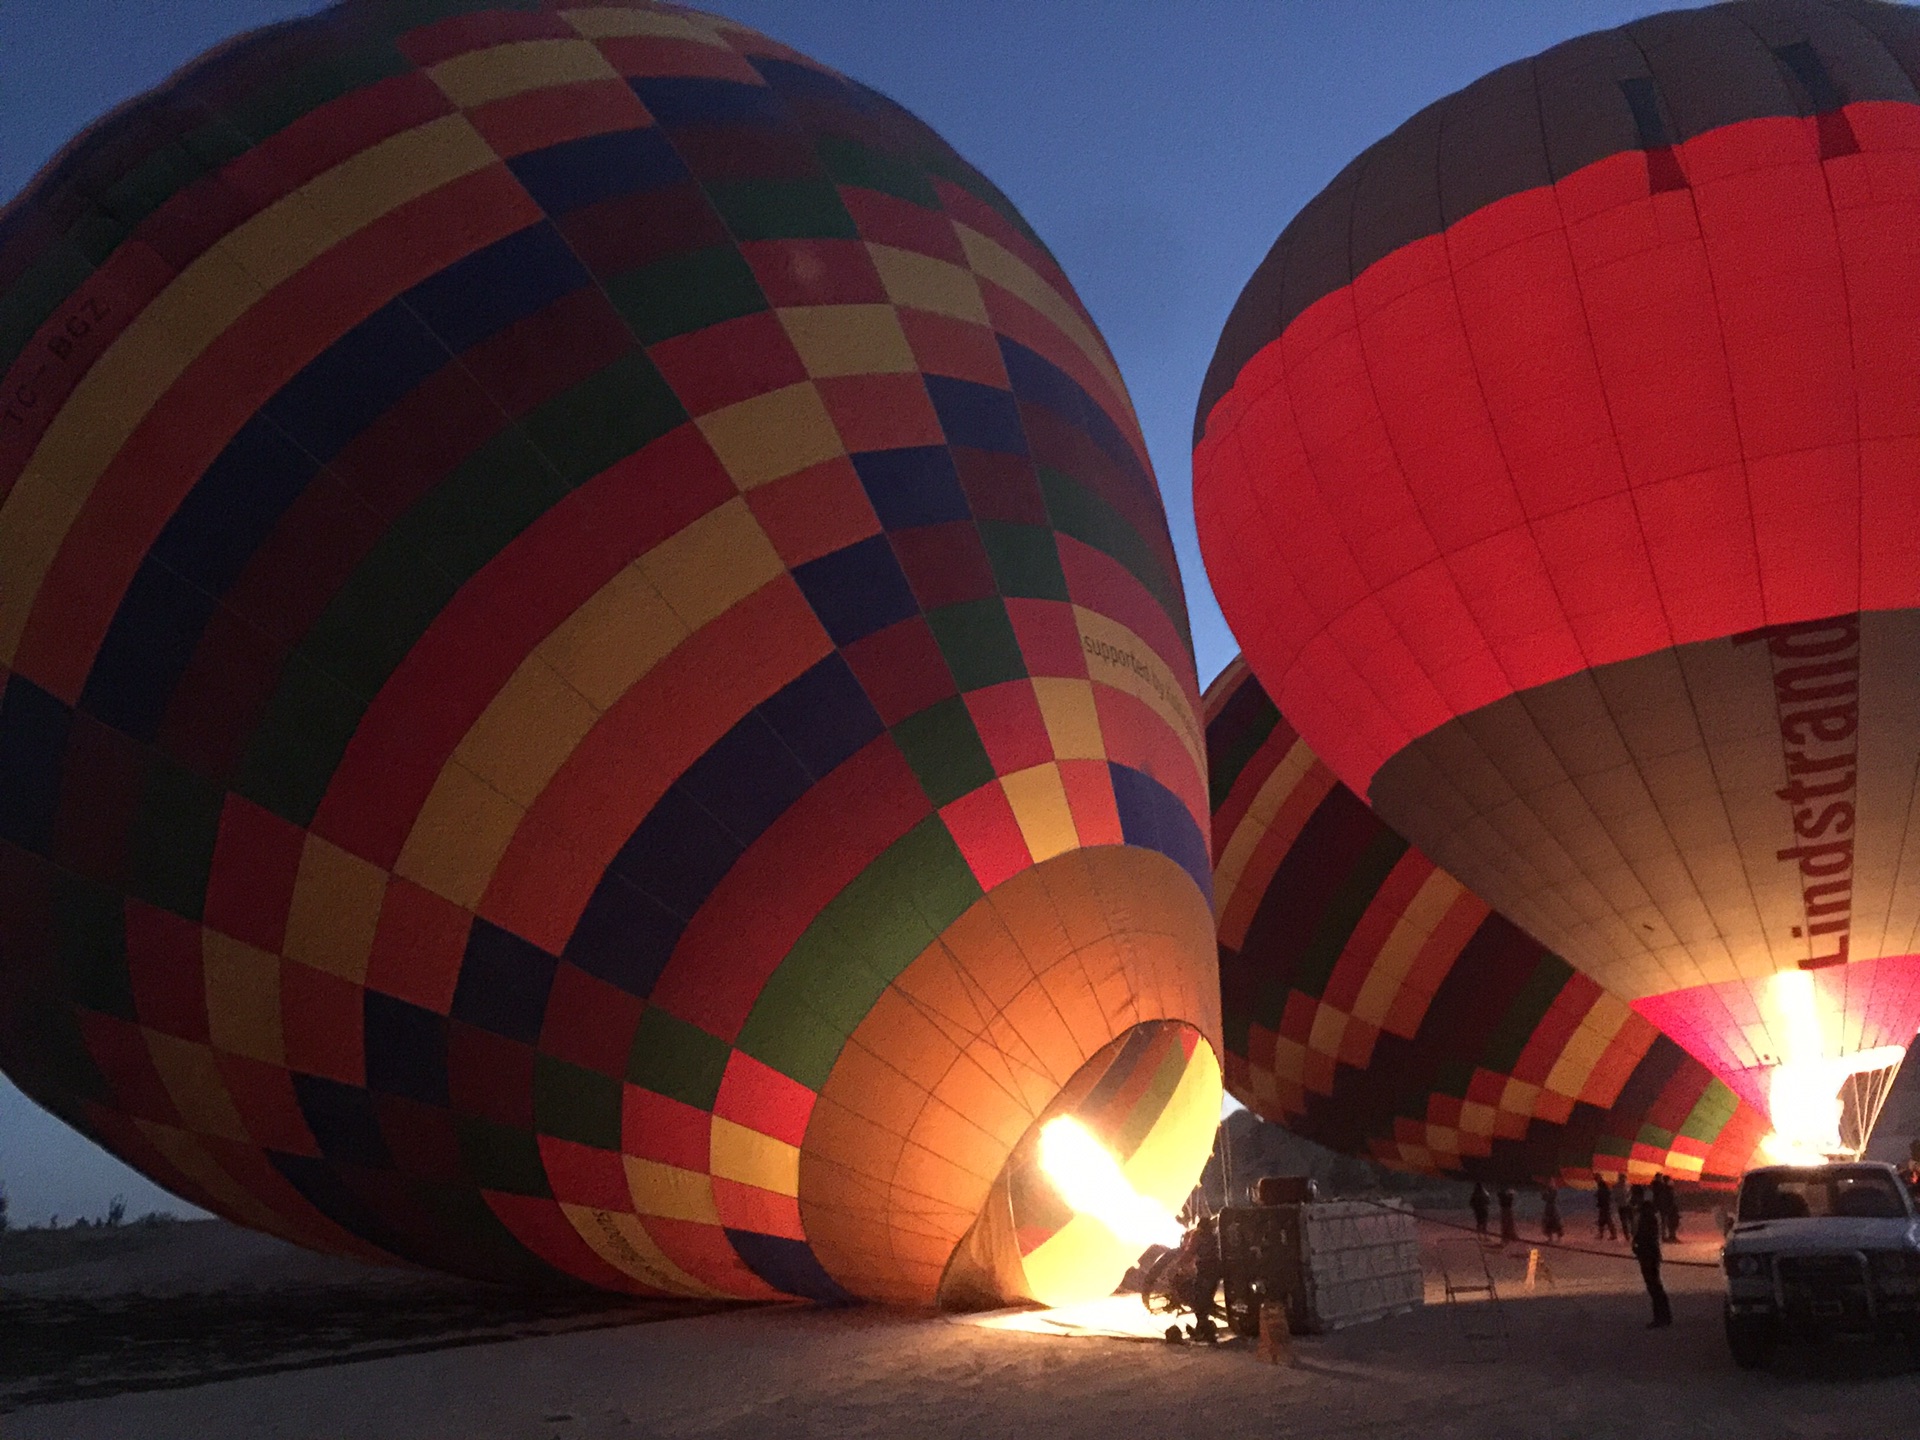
point(1550, 1226)
point(1479, 1202)
point(1646, 1249)
point(1509, 1232)
point(1603, 1210)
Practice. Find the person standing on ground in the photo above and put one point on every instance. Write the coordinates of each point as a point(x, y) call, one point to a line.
point(1478, 1202)
point(1603, 1210)
point(1509, 1232)
point(1666, 1201)
point(1646, 1249)
point(1550, 1226)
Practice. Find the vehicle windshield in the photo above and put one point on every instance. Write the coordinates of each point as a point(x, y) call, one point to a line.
point(1859, 1192)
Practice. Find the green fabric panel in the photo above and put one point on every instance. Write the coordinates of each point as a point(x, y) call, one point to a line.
point(979, 643)
point(170, 849)
point(1153, 1100)
point(945, 751)
point(44, 288)
point(1026, 562)
point(1224, 768)
point(1451, 1077)
point(57, 1070)
point(1077, 511)
point(270, 110)
point(499, 1157)
point(1654, 1135)
point(605, 418)
point(782, 210)
point(91, 937)
point(1236, 1025)
point(1616, 1145)
point(1344, 910)
point(1710, 1113)
point(421, 562)
point(686, 293)
point(855, 948)
point(572, 1103)
point(678, 1060)
point(293, 751)
point(462, 1211)
point(851, 163)
point(1524, 1015)
point(949, 166)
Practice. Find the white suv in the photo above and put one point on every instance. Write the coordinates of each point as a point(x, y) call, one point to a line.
point(1819, 1250)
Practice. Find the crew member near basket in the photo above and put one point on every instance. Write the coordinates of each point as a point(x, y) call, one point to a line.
point(1646, 1249)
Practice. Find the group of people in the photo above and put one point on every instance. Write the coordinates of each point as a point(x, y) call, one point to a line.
point(1649, 1216)
point(1659, 1196)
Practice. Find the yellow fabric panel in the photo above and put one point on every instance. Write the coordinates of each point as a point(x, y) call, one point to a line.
point(623, 1242)
point(527, 731)
point(336, 905)
point(993, 261)
point(611, 23)
point(920, 282)
point(1519, 1097)
point(1040, 808)
point(1071, 718)
point(190, 1157)
point(849, 340)
point(711, 565)
point(1436, 896)
point(1121, 660)
point(1239, 850)
point(670, 1192)
point(458, 837)
point(195, 1086)
point(1329, 1027)
point(480, 76)
point(243, 998)
point(772, 435)
point(1587, 1045)
point(737, 1153)
point(125, 383)
point(606, 646)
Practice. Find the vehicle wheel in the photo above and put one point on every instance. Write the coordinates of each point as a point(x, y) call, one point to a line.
point(1751, 1342)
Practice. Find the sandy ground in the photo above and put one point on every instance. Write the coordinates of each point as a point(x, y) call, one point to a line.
point(1575, 1361)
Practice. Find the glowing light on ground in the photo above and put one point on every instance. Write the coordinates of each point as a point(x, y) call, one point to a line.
point(1803, 1093)
point(1092, 1183)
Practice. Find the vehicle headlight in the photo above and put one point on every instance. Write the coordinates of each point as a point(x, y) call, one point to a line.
point(1744, 1264)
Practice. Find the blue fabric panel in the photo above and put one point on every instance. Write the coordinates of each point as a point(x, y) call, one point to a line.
point(823, 716)
point(583, 172)
point(858, 590)
point(788, 1265)
point(503, 983)
point(478, 297)
point(687, 101)
point(342, 1121)
point(1039, 381)
point(146, 650)
point(912, 487)
point(625, 936)
point(33, 737)
point(981, 417)
point(355, 380)
point(1152, 817)
point(406, 1050)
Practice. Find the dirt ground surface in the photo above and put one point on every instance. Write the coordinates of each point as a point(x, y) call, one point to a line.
point(1575, 1361)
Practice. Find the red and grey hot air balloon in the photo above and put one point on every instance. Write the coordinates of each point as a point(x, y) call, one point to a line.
point(1559, 471)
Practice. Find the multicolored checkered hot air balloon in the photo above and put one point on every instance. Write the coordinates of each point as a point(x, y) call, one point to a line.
point(1375, 1004)
point(595, 682)
point(1559, 471)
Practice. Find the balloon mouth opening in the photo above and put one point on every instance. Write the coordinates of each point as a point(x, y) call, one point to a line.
point(1098, 1178)
point(1821, 1101)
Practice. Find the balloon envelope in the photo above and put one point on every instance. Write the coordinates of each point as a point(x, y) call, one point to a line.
point(595, 682)
point(1376, 1005)
point(1557, 471)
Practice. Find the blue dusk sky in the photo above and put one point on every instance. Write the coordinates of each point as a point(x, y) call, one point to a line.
point(1158, 148)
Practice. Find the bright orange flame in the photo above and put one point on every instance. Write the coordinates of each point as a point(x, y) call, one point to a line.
point(1092, 1183)
point(1803, 1093)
